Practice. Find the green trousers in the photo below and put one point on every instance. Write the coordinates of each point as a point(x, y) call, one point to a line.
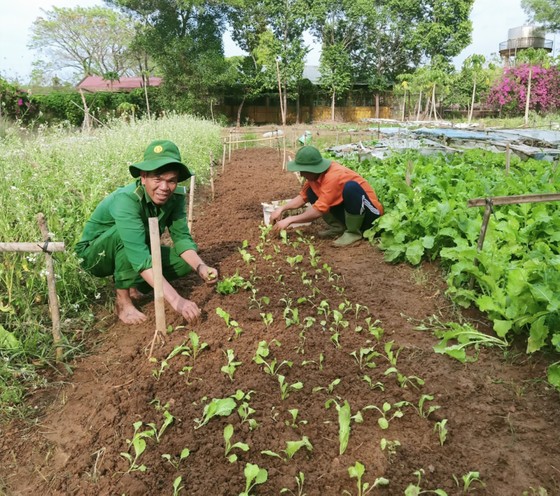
point(105, 256)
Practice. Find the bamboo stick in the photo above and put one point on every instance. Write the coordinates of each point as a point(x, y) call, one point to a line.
point(508, 158)
point(47, 246)
point(212, 174)
point(53, 298)
point(482, 236)
point(224, 156)
point(191, 203)
point(159, 302)
point(510, 200)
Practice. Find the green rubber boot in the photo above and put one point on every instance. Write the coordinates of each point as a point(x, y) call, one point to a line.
point(336, 229)
point(352, 234)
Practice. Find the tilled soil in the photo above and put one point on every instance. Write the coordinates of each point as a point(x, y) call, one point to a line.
point(328, 311)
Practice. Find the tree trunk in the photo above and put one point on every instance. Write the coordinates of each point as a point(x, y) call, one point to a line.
point(528, 99)
point(239, 109)
point(333, 103)
point(281, 95)
point(419, 106)
point(86, 125)
point(146, 81)
point(403, 106)
point(472, 102)
point(377, 105)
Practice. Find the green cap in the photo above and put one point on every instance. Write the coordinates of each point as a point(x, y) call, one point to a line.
point(158, 154)
point(309, 159)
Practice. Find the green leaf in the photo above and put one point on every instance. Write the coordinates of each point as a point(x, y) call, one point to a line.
point(537, 335)
point(344, 415)
point(8, 341)
point(357, 471)
point(553, 375)
point(502, 327)
point(414, 252)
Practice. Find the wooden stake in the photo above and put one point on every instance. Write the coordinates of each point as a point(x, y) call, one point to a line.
point(159, 302)
point(482, 235)
point(508, 158)
point(224, 156)
point(212, 174)
point(47, 247)
point(409, 168)
point(191, 203)
point(53, 298)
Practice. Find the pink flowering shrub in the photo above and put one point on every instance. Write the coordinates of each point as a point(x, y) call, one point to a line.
point(509, 93)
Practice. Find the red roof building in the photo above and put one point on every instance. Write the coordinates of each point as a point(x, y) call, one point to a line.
point(97, 83)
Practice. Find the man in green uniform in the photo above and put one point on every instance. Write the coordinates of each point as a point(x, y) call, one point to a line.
point(116, 240)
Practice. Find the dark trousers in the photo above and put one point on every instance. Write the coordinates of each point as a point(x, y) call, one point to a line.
point(355, 201)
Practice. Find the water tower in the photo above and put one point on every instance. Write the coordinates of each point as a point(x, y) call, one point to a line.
point(521, 38)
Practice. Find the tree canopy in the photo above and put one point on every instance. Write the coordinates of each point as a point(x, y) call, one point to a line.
point(545, 12)
point(87, 41)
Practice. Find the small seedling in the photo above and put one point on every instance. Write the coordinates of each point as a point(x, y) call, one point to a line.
point(372, 385)
point(294, 423)
point(441, 428)
point(177, 488)
point(217, 407)
point(176, 461)
point(468, 480)
point(292, 447)
point(300, 479)
point(232, 284)
point(228, 434)
point(385, 418)
point(389, 446)
point(425, 413)
point(357, 472)
point(138, 444)
point(167, 421)
point(196, 345)
point(230, 323)
point(272, 366)
point(231, 366)
point(365, 358)
point(329, 389)
point(285, 387)
point(253, 475)
point(415, 489)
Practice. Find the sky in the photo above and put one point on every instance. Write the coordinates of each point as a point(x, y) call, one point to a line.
point(491, 21)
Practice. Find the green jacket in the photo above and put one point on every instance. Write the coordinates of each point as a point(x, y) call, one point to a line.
point(128, 209)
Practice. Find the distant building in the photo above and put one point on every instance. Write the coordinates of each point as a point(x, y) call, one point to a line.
point(520, 39)
point(93, 84)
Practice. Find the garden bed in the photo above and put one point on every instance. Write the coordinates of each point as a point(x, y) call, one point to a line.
point(496, 416)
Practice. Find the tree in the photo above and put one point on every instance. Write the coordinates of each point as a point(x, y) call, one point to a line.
point(531, 57)
point(85, 40)
point(509, 92)
point(473, 66)
point(546, 12)
point(184, 38)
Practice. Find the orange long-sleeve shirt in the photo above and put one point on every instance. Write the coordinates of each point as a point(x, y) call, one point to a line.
point(329, 185)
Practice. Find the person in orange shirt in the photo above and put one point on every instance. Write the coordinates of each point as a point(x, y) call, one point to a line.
point(345, 200)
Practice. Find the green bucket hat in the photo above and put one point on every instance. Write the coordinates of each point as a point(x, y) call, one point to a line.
point(309, 159)
point(158, 154)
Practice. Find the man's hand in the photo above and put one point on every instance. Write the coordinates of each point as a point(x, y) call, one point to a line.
point(208, 274)
point(281, 225)
point(188, 309)
point(276, 216)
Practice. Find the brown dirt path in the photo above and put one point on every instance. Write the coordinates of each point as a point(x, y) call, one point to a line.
point(502, 418)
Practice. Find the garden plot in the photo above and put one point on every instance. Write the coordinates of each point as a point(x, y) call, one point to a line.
point(306, 376)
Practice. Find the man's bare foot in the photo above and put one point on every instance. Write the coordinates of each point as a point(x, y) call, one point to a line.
point(135, 294)
point(125, 309)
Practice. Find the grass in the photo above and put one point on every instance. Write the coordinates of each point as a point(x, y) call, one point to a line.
point(65, 174)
